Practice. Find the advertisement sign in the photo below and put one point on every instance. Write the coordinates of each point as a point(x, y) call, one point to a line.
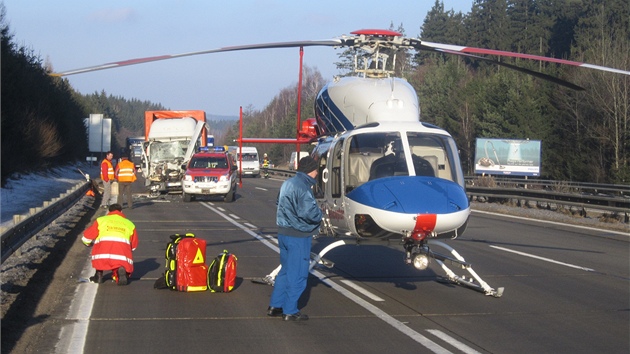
point(508, 157)
point(99, 133)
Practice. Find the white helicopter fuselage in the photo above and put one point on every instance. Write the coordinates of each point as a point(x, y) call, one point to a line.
point(383, 173)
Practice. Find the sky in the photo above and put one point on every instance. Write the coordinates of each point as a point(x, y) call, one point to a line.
point(72, 34)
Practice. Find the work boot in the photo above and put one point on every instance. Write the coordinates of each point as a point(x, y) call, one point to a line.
point(122, 276)
point(274, 311)
point(295, 317)
point(97, 277)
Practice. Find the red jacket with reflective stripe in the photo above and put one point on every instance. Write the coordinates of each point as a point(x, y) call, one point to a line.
point(114, 238)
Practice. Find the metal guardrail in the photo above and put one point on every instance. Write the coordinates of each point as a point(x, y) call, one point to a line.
point(27, 225)
point(614, 198)
point(619, 205)
point(561, 186)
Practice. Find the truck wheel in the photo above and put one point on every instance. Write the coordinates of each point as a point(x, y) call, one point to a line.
point(186, 197)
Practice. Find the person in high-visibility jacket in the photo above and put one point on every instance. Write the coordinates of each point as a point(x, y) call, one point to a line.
point(107, 176)
point(126, 175)
point(113, 238)
point(265, 166)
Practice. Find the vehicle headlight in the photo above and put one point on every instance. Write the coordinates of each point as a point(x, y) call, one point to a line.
point(188, 178)
point(223, 178)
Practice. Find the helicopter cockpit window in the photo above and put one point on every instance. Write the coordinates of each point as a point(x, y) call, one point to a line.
point(374, 155)
point(335, 176)
point(434, 155)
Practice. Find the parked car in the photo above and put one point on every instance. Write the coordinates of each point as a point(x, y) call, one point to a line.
point(210, 173)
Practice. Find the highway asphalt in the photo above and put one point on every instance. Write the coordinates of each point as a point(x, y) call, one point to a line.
point(566, 290)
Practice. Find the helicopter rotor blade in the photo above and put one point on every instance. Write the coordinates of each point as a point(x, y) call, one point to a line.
point(455, 49)
point(293, 44)
point(517, 68)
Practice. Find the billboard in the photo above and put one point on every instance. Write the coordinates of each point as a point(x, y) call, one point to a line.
point(507, 157)
point(99, 133)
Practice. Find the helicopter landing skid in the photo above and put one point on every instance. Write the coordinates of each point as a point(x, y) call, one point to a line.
point(316, 259)
point(476, 284)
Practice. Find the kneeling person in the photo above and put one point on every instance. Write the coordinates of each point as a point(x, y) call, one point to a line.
point(114, 238)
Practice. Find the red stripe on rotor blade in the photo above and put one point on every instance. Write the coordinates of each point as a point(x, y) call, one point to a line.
point(377, 32)
point(142, 60)
point(518, 55)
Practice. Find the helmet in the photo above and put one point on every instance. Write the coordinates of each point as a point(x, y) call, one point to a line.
point(265, 155)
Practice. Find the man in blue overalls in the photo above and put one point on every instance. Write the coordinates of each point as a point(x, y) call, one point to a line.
point(298, 219)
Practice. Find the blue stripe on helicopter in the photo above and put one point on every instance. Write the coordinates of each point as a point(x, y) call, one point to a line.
point(411, 195)
point(329, 115)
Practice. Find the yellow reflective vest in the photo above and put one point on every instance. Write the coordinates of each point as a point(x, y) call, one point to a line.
point(114, 238)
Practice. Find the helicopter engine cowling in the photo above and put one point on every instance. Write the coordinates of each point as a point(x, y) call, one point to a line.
point(353, 101)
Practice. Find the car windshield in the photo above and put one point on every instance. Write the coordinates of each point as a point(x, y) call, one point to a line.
point(250, 157)
point(209, 162)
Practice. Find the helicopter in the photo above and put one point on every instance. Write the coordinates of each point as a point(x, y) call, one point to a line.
point(383, 173)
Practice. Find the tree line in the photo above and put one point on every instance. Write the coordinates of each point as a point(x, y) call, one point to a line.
point(42, 116)
point(584, 134)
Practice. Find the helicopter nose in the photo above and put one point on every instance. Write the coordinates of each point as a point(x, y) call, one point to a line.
point(412, 195)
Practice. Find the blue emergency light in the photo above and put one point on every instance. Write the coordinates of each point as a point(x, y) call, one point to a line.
point(211, 149)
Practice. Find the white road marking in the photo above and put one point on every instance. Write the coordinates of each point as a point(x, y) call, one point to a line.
point(361, 290)
point(235, 216)
point(250, 225)
point(543, 258)
point(452, 341)
point(262, 189)
point(380, 314)
point(73, 336)
point(554, 223)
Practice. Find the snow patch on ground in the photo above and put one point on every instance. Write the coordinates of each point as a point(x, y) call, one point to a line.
point(25, 191)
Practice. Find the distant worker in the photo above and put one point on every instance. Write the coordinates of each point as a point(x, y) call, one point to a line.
point(265, 166)
point(113, 238)
point(126, 175)
point(298, 219)
point(107, 176)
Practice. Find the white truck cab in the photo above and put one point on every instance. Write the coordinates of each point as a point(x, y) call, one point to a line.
point(171, 143)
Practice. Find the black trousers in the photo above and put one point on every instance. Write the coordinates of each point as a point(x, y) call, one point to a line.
point(124, 189)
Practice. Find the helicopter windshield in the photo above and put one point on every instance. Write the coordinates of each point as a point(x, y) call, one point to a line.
point(384, 154)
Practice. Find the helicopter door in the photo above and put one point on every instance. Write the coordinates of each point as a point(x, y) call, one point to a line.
point(335, 183)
